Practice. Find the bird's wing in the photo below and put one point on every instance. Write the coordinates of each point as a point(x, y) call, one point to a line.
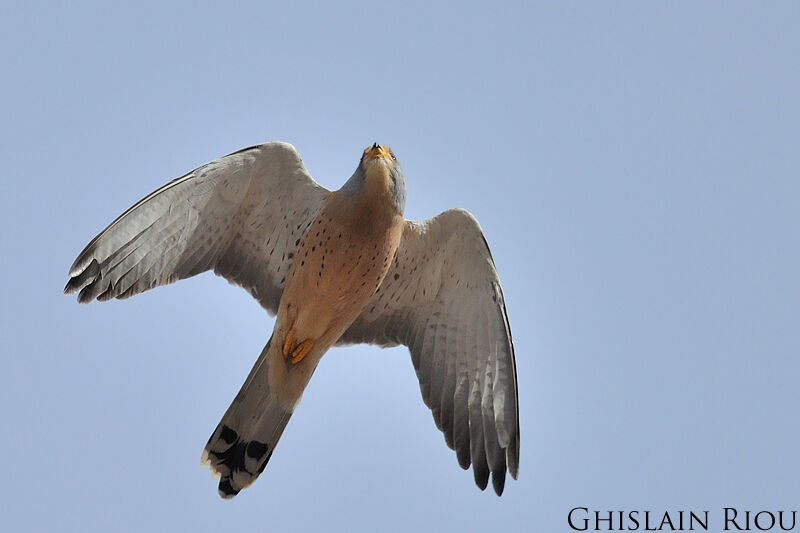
point(442, 299)
point(241, 215)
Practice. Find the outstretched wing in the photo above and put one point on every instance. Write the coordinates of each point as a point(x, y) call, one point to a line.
point(442, 299)
point(242, 215)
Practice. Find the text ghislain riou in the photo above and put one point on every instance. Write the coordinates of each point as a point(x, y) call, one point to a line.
point(728, 519)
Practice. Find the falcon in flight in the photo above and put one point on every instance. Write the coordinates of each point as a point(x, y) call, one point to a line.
point(337, 268)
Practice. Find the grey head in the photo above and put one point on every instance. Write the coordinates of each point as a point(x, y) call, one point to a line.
point(379, 167)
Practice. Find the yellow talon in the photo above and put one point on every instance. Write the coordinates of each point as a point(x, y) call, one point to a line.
point(301, 350)
point(291, 347)
point(289, 343)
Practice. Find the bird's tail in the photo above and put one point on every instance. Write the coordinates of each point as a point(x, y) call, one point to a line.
point(242, 444)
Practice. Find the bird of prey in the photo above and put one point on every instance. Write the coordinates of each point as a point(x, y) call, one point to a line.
point(337, 267)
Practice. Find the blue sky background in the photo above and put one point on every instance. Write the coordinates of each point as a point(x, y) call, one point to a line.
point(634, 167)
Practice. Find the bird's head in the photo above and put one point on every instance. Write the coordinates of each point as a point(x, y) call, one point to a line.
point(378, 163)
point(376, 153)
point(379, 172)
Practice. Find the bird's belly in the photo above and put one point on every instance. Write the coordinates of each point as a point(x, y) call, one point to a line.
point(331, 281)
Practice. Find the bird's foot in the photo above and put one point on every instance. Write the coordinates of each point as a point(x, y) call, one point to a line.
point(289, 343)
point(301, 350)
point(297, 350)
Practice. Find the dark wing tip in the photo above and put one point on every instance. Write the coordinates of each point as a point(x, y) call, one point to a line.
point(463, 461)
point(86, 277)
point(481, 472)
point(512, 456)
point(499, 481)
point(86, 295)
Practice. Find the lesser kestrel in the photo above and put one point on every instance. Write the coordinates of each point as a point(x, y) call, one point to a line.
point(337, 268)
